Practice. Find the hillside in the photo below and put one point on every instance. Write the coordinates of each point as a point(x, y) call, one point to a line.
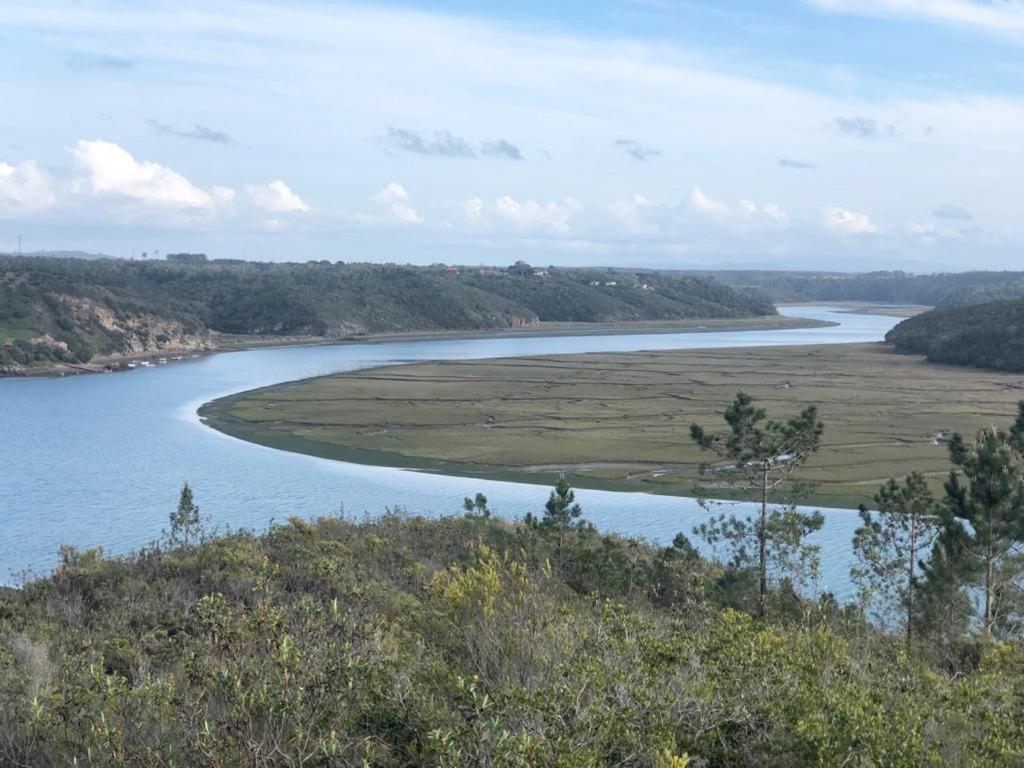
point(934, 290)
point(468, 641)
point(74, 309)
point(989, 335)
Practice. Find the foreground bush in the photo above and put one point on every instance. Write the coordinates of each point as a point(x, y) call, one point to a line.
point(467, 642)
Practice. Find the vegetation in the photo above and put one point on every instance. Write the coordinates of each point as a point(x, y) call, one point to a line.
point(890, 545)
point(934, 290)
point(764, 453)
point(620, 421)
point(981, 543)
point(106, 307)
point(453, 642)
point(985, 335)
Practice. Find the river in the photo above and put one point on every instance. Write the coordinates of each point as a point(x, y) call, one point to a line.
point(97, 460)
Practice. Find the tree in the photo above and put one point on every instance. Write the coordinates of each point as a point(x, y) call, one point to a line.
point(982, 538)
point(561, 513)
point(186, 526)
point(889, 545)
point(786, 551)
point(763, 455)
point(476, 507)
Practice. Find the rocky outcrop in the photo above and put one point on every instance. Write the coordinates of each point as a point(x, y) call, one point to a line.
point(125, 333)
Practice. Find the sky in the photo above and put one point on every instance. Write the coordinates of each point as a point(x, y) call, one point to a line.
point(847, 135)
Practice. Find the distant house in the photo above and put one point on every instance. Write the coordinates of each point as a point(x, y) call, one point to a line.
point(612, 283)
point(452, 271)
point(646, 287)
point(595, 282)
point(540, 272)
point(8, 347)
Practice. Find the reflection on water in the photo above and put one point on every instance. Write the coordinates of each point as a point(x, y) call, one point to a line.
point(99, 460)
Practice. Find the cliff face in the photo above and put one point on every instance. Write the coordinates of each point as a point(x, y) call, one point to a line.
point(118, 332)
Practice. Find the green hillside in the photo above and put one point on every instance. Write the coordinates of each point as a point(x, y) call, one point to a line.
point(941, 289)
point(989, 335)
point(89, 307)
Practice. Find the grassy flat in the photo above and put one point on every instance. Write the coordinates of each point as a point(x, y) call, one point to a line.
point(621, 420)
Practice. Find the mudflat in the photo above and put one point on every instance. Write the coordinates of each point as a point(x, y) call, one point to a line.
point(621, 421)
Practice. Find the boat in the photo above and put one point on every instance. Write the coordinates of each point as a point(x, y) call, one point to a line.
point(133, 365)
point(162, 361)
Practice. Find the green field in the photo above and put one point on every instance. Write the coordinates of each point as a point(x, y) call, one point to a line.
point(621, 421)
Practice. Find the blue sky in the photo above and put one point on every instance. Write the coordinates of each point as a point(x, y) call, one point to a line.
point(842, 134)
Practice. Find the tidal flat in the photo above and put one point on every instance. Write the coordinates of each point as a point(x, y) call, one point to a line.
point(620, 421)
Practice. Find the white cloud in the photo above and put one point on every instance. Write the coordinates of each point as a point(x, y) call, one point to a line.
point(25, 188)
point(707, 205)
point(633, 215)
point(846, 222)
point(995, 15)
point(506, 214)
point(769, 213)
point(276, 196)
point(775, 213)
point(109, 169)
point(397, 205)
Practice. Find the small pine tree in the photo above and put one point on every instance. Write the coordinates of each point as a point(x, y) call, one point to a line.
point(185, 522)
point(562, 512)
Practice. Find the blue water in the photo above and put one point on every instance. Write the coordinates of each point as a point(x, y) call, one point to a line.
point(99, 460)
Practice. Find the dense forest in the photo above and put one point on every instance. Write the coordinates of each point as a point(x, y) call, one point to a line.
point(73, 309)
point(472, 641)
point(934, 290)
point(989, 335)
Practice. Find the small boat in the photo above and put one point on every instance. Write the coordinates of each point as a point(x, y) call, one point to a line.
point(162, 361)
point(146, 364)
point(178, 357)
point(133, 365)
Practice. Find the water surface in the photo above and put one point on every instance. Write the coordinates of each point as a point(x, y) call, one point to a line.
point(99, 460)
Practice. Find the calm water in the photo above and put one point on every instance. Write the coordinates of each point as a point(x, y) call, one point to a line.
point(99, 460)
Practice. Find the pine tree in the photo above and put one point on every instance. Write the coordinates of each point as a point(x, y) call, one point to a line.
point(561, 511)
point(185, 522)
point(561, 514)
point(763, 454)
point(982, 538)
point(889, 545)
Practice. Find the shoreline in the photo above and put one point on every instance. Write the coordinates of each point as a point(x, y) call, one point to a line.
point(235, 343)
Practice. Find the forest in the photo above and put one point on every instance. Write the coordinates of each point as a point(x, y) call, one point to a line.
point(943, 289)
point(989, 335)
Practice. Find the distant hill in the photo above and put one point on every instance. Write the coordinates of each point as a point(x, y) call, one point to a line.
point(76, 308)
point(989, 335)
point(935, 290)
point(63, 255)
